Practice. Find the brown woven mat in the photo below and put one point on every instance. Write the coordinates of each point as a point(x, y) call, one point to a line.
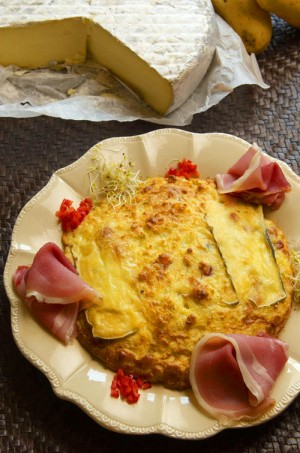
point(32, 418)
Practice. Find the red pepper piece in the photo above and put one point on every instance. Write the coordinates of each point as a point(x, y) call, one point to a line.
point(185, 168)
point(127, 387)
point(70, 217)
point(114, 393)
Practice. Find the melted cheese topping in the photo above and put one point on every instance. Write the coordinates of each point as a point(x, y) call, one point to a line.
point(241, 235)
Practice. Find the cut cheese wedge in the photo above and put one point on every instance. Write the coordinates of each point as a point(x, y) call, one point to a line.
point(161, 50)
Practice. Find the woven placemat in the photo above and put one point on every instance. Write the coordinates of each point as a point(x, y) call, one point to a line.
point(32, 418)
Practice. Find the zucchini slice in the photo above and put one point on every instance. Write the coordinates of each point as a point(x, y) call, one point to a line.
point(244, 244)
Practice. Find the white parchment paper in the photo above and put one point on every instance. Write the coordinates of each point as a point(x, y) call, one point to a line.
point(89, 92)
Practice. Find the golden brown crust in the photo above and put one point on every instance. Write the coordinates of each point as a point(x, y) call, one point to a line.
point(178, 285)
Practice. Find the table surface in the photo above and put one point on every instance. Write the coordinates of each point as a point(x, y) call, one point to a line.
point(32, 418)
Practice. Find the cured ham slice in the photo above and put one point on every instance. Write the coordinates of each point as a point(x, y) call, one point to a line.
point(57, 318)
point(53, 279)
point(256, 178)
point(232, 375)
point(53, 291)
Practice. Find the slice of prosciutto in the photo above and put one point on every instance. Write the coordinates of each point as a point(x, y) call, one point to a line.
point(232, 375)
point(53, 291)
point(256, 178)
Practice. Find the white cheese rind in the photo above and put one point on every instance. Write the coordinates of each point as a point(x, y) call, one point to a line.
point(174, 39)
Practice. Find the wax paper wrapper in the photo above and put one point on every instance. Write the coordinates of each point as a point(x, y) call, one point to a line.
point(89, 92)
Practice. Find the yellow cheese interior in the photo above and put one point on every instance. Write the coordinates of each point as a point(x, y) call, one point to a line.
point(241, 235)
point(44, 43)
point(129, 68)
point(69, 41)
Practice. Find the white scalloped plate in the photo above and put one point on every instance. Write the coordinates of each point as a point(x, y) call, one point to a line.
point(73, 374)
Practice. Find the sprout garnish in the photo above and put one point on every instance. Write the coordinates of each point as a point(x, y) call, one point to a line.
point(115, 181)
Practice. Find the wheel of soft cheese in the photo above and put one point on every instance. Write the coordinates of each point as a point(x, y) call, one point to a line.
point(160, 49)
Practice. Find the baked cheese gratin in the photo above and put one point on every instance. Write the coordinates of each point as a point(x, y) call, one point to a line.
point(178, 261)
